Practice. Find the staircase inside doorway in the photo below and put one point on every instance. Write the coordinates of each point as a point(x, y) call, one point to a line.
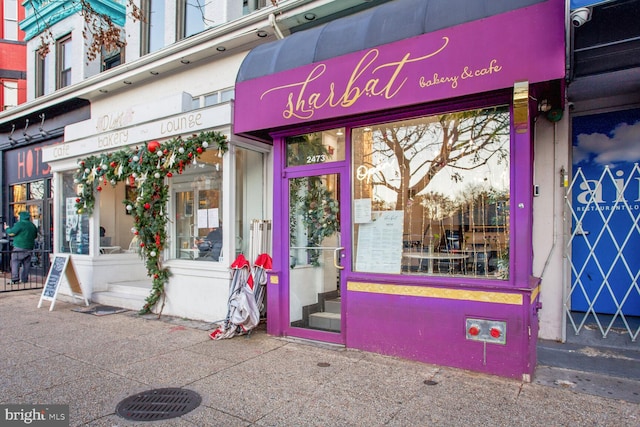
point(323, 315)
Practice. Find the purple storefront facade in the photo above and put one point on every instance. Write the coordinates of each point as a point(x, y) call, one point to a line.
point(512, 59)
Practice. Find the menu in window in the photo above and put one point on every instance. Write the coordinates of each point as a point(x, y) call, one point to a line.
point(208, 218)
point(380, 243)
point(362, 211)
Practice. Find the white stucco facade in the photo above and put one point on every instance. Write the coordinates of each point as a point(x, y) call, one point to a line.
point(161, 109)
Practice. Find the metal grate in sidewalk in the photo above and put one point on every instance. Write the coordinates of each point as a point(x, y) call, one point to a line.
point(158, 404)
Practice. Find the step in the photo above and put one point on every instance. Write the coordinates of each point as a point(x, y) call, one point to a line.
point(136, 288)
point(325, 320)
point(613, 362)
point(332, 305)
point(129, 295)
point(115, 299)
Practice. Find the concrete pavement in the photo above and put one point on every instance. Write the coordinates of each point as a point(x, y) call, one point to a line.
point(94, 362)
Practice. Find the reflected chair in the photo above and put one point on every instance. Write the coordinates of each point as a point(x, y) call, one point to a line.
point(452, 245)
point(134, 246)
point(479, 258)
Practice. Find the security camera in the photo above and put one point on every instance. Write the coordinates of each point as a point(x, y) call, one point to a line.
point(580, 16)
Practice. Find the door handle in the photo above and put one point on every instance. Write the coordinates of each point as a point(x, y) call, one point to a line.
point(580, 231)
point(335, 258)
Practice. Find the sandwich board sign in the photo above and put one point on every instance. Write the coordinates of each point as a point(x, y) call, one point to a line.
point(62, 265)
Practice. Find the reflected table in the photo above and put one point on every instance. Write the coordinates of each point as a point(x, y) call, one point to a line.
point(189, 253)
point(430, 256)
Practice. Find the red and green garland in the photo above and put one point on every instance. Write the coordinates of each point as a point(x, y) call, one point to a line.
point(145, 168)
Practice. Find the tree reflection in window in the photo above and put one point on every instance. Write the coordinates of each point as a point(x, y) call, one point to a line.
point(449, 173)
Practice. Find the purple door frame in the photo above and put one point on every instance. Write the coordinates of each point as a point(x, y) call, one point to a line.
point(414, 317)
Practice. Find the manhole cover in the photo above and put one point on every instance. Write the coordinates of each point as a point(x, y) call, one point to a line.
point(158, 404)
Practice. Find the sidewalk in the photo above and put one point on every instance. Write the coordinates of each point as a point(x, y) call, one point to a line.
point(92, 363)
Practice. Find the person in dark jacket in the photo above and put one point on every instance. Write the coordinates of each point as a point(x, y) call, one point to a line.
point(211, 246)
point(24, 235)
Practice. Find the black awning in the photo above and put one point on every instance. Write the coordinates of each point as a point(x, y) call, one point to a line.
point(387, 23)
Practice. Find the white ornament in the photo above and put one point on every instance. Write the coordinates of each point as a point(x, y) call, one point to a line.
point(129, 208)
point(205, 144)
point(136, 158)
point(156, 175)
point(181, 150)
point(152, 253)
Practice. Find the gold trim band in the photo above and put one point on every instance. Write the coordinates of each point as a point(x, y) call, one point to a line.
point(430, 292)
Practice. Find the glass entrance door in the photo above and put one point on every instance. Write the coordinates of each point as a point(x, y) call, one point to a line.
point(315, 257)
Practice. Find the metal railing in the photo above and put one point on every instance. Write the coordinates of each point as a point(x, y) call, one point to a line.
point(39, 268)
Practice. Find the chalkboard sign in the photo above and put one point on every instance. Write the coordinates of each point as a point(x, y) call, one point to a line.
point(62, 265)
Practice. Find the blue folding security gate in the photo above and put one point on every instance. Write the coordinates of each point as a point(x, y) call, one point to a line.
point(603, 248)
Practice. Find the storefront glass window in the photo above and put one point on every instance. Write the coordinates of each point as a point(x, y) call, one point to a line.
point(36, 190)
point(431, 195)
point(18, 199)
point(72, 227)
point(197, 199)
point(19, 193)
point(315, 148)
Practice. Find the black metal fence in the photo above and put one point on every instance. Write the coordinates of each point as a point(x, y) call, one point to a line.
point(39, 268)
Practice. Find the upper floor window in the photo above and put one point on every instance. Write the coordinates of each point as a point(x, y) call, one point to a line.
point(63, 61)
point(190, 17)
point(153, 24)
point(112, 58)
point(10, 14)
point(249, 6)
point(41, 75)
point(217, 97)
point(9, 94)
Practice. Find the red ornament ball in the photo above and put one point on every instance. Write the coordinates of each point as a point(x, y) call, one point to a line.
point(78, 200)
point(147, 205)
point(152, 146)
point(199, 150)
point(113, 164)
point(169, 174)
point(99, 188)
